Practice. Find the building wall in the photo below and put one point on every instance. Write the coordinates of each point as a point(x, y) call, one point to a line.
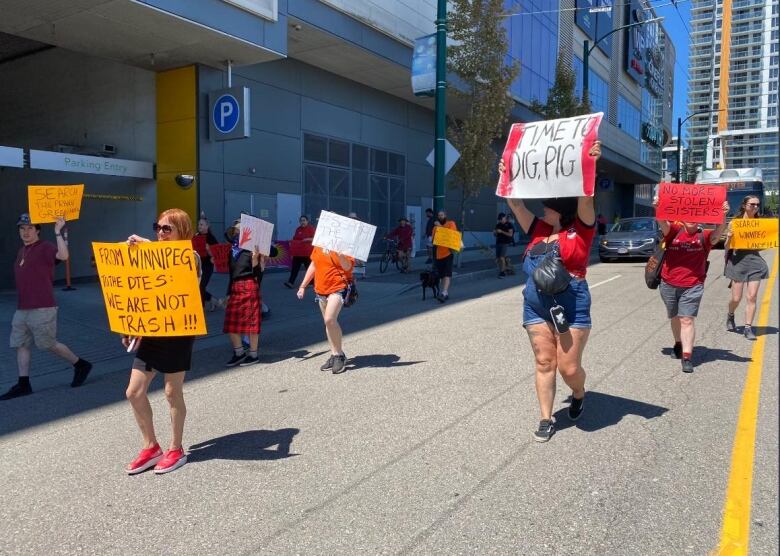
point(290, 99)
point(404, 21)
point(60, 97)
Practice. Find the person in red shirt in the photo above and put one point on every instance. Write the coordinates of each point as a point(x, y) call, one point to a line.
point(567, 230)
point(404, 234)
point(304, 234)
point(35, 319)
point(201, 242)
point(682, 279)
point(332, 274)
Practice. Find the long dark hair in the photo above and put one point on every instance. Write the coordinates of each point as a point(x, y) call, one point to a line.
point(743, 206)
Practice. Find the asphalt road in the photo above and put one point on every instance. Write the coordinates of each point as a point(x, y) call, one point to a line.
point(424, 446)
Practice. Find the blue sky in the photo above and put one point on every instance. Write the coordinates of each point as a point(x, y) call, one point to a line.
point(680, 37)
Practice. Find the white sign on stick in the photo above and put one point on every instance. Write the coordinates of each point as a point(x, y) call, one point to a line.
point(255, 234)
point(347, 236)
point(550, 158)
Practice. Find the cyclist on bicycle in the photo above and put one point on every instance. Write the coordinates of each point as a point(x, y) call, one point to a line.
point(404, 234)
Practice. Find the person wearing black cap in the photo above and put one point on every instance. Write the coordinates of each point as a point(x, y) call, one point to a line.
point(35, 319)
point(558, 325)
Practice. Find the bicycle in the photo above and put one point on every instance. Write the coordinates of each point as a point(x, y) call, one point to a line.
point(390, 255)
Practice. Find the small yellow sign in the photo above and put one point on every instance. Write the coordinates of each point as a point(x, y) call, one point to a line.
point(151, 289)
point(753, 233)
point(46, 203)
point(446, 237)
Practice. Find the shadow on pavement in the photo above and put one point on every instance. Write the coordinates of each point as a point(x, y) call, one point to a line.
point(708, 355)
point(604, 410)
point(384, 361)
point(245, 446)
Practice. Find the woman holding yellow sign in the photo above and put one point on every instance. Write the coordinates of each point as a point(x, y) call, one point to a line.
point(744, 267)
point(171, 356)
point(556, 308)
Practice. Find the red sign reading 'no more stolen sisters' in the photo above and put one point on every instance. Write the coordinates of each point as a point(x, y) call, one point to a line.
point(550, 158)
point(691, 203)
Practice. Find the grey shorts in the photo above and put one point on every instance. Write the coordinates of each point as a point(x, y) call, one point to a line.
point(681, 302)
point(34, 325)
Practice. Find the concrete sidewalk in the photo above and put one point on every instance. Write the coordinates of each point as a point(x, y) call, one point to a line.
point(83, 325)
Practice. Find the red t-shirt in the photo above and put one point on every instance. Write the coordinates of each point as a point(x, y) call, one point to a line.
point(298, 246)
point(404, 235)
point(574, 243)
point(686, 258)
point(34, 273)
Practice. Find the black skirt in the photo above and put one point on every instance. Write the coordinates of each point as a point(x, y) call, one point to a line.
point(166, 355)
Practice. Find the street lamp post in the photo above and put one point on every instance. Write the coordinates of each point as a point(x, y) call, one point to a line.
point(587, 48)
point(680, 123)
point(441, 106)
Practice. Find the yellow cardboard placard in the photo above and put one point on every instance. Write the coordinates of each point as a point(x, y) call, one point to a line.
point(446, 237)
point(753, 233)
point(46, 203)
point(151, 289)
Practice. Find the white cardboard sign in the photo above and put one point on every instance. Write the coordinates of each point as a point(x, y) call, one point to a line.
point(255, 233)
point(550, 158)
point(347, 236)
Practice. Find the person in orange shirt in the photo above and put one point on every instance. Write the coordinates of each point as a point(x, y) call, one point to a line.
point(444, 256)
point(332, 274)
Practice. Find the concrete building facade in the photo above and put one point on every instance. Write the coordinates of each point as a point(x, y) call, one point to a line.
point(734, 67)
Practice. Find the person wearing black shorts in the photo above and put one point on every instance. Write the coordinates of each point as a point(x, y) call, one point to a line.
point(444, 256)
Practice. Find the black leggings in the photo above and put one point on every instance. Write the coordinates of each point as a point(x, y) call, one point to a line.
point(207, 269)
point(297, 263)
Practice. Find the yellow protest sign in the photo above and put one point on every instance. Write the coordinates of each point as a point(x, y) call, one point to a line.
point(753, 233)
point(446, 237)
point(151, 289)
point(46, 203)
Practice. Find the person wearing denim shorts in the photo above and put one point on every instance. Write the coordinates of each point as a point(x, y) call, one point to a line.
point(683, 272)
point(567, 229)
point(332, 274)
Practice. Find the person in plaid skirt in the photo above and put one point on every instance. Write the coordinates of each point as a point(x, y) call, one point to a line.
point(243, 313)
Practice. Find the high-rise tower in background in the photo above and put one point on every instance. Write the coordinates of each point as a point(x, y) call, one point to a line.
point(734, 54)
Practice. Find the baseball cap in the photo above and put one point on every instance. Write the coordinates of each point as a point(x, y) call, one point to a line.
point(24, 220)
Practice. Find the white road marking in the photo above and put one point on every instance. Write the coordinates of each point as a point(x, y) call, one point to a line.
point(615, 277)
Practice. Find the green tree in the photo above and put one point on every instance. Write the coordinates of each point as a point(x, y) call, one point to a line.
point(562, 102)
point(478, 57)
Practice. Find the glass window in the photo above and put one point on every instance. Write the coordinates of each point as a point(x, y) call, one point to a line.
point(338, 153)
point(397, 166)
point(628, 117)
point(360, 157)
point(314, 148)
point(379, 161)
point(598, 88)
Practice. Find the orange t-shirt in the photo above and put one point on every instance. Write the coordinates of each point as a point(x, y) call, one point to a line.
point(443, 252)
point(329, 276)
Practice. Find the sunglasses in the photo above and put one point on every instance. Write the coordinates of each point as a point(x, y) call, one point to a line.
point(165, 228)
point(754, 204)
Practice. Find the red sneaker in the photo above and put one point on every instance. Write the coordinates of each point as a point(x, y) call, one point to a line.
point(147, 458)
point(173, 460)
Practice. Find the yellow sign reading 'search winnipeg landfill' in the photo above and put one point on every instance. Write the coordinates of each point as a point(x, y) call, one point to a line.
point(46, 203)
point(753, 233)
point(151, 289)
point(446, 237)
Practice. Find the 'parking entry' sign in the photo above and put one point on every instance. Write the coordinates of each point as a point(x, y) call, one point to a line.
point(229, 114)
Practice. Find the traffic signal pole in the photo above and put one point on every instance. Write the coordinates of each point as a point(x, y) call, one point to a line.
point(441, 106)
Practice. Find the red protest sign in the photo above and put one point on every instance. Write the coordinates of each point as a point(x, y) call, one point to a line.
point(689, 202)
point(219, 256)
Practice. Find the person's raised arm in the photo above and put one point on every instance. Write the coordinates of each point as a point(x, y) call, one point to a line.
point(664, 225)
point(62, 247)
point(345, 263)
point(718, 231)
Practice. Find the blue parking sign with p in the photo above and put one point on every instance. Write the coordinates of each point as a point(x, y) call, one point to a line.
point(229, 114)
point(226, 113)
